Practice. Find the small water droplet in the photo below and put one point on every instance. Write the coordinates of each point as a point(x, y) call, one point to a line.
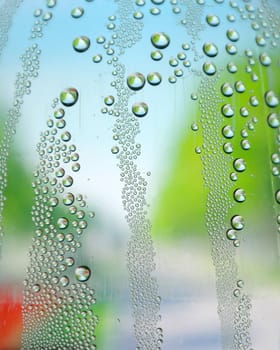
point(82, 273)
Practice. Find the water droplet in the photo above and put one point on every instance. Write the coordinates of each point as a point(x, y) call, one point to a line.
point(228, 132)
point(64, 281)
point(239, 195)
point(81, 43)
point(245, 144)
point(138, 15)
point(82, 273)
point(265, 59)
point(239, 86)
point(66, 136)
point(232, 67)
point(277, 196)
point(156, 55)
point(254, 102)
point(244, 112)
point(271, 99)
point(157, 2)
point(239, 164)
point(69, 97)
point(237, 222)
point(273, 120)
point(136, 81)
point(62, 223)
point(209, 68)
point(236, 293)
point(213, 20)
point(69, 261)
point(67, 181)
point(115, 149)
point(154, 78)
point(155, 11)
point(240, 283)
point(232, 35)
point(36, 288)
point(97, 58)
point(109, 100)
point(231, 234)
point(228, 147)
point(59, 113)
point(228, 110)
point(260, 40)
point(227, 90)
point(194, 127)
point(231, 49)
point(160, 40)
point(140, 109)
point(210, 49)
point(77, 12)
point(68, 198)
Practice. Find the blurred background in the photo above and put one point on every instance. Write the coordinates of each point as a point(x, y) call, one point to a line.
point(170, 161)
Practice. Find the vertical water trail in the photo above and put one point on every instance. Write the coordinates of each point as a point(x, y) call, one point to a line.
point(144, 298)
point(58, 308)
point(8, 9)
point(231, 306)
point(30, 70)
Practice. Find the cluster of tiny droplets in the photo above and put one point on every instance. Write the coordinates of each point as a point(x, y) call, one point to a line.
point(58, 303)
point(7, 10)
point(42, 18)
point(30, 70)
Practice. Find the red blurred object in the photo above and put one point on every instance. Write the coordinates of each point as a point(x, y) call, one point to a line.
point(10, 318)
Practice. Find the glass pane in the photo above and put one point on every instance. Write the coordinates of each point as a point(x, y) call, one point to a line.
point(139, 198)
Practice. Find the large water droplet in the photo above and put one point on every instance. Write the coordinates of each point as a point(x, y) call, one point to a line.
point(239, 195)
point(237, 222)
point(82, 273)
point(210, 49)
point(271, 99)
point(228, 132)
point(239, 164)
point(154, 78)
point(232, 35)
point(273, 120)
point(140, 109)
point(136, 81)
point(81, 43)
point(227, 89)
point(209, 68)
point(62, 223)
point(69, 96)
point(265, 59)
point(77, 12)
point(228, 110)
point(213, 20)
point(160, 40)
